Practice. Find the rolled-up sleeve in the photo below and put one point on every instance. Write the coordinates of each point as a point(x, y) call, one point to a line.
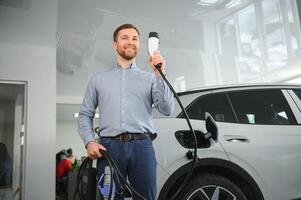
point(87, 112)
point(162, 96)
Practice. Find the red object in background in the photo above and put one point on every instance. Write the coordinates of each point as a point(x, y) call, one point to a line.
point(63, 167)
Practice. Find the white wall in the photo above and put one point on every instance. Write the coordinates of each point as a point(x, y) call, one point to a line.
point(28, 53)
point(36, 66)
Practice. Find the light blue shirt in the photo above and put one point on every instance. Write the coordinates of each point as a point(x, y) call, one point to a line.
point(125, 98)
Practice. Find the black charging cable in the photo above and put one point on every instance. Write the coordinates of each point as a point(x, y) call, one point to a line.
point(115, 172)
point(79, 178)
point(190, 172)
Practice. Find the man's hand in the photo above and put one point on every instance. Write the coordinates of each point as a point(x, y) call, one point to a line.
point(93, 150)
point(154, 60)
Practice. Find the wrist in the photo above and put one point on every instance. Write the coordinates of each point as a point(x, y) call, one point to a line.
point(89, 143)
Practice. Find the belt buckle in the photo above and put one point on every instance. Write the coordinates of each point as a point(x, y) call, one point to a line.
point(126, 137)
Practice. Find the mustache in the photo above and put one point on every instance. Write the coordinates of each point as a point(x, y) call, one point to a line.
point(132, 46)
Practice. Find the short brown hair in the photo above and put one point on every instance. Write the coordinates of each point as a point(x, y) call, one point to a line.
point(121, 27)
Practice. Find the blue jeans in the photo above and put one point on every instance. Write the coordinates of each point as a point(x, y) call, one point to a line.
point(136, 160)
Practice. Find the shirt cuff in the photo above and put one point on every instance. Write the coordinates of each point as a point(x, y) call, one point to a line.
point(88, 138)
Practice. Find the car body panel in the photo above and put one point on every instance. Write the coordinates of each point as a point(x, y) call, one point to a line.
point(170, 154)
point(270, 154)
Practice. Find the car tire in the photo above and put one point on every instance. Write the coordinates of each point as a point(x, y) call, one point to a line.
point(211, 186)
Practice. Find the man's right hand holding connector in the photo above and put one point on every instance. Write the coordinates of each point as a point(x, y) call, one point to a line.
point(93, 150)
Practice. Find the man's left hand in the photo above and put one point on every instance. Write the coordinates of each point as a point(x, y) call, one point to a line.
point(156, 59)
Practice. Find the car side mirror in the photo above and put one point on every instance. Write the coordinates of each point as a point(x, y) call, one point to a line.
point(186, 139)
point(211, 127)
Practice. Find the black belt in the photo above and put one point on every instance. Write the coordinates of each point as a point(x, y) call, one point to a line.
point(128, 136)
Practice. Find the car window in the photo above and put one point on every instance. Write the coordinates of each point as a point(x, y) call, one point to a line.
point(298, 93)
point(216, 104)
point(261, 107)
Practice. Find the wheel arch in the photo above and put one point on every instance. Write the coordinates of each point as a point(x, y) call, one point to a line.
point(214, 166)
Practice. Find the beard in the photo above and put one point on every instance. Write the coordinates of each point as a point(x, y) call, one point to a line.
point(127, 55)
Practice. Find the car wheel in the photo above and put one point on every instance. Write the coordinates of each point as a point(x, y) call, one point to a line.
point(212, 187)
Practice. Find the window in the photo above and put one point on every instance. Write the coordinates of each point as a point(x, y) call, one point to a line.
point(275, 36)
point(261, 107)
point(247, 26)
point(250, 56)
point(217, 105)
point(228, 37)
point(294, 39)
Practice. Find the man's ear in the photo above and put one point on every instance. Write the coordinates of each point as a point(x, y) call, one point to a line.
point(114, 45)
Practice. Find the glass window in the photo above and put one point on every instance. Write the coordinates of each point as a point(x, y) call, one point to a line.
point(250, 54)
point(261, 107)
point(247, 25)
point(294, 39)
point(217, 105)
point(228, 38)
point(276, 43)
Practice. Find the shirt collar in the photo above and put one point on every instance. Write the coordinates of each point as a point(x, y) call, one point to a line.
point(130, 66)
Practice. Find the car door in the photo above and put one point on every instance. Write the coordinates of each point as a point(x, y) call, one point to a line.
point(265, 140)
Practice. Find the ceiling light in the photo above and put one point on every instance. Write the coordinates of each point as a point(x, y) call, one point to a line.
point(207, 2)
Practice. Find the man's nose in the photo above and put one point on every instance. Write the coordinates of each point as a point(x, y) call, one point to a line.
point(130, 41)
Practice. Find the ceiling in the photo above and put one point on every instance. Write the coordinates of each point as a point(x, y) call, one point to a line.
point(23, 4)
point(84, 32)
point(28, 22)
point(84, 28)
point(84, 36)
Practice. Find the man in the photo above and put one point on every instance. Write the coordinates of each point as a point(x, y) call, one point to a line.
point(125, 96)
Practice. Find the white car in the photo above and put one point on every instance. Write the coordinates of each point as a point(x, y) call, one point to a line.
point(256, 156)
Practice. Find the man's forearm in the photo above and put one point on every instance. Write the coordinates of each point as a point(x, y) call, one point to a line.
point(165, 96)
point(85, 128)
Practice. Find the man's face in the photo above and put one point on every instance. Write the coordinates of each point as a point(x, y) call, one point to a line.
point(127, 43)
